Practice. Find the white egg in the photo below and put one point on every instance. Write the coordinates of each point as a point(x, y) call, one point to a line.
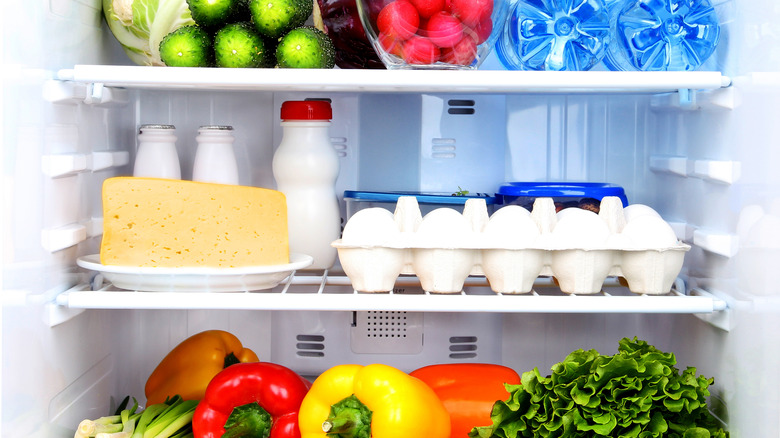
point(637, 210)
point(511, 227)
point(444, 228)
point(578, 228)
point(371, 227)
point(649, 232)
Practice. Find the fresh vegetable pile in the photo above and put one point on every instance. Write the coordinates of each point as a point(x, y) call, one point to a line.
point(638, 392)
point(635, 393)
point(219, 33)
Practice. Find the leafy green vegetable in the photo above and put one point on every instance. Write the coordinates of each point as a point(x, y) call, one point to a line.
point(638, 392)
point(140, 25)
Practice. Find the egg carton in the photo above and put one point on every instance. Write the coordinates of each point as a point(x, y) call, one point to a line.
point(511, 248)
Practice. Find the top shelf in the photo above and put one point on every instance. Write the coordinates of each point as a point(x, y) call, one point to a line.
point(393, 81)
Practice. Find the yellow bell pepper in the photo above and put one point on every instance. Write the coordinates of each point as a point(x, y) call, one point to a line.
point(376, 401)
point(189, 367)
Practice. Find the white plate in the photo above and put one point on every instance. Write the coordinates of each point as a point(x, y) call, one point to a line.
point(195, 279)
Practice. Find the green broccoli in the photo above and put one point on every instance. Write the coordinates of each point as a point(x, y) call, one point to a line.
point(238, 45)
point(305, 47)
point(187, 46)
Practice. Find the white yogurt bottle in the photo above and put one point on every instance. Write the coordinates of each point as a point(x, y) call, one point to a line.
point(305, 167)
point(215, 160)
point(156, 156)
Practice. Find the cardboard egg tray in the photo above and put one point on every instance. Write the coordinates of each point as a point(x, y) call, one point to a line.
point(511, 248)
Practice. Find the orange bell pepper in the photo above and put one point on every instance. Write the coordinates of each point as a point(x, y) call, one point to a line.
point(468, 391)
point(189, 367)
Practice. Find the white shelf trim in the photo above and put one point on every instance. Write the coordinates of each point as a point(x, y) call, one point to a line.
point(431, 81)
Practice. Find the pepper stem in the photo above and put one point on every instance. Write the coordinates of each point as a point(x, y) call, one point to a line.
point(349, 418)
point(249, 420)
point(230, 359)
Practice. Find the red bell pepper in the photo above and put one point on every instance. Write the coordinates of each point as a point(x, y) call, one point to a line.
point(257, 399)
point(468, 391)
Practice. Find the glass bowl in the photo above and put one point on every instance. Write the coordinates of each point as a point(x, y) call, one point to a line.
point(432, 34)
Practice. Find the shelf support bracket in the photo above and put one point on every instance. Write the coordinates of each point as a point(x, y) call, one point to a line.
point(722, 305)
point(687, 98)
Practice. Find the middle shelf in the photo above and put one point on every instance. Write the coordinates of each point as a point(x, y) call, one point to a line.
point(334, 293)
point(392, 81)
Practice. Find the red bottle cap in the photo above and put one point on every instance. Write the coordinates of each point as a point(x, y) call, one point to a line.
point(306, 110)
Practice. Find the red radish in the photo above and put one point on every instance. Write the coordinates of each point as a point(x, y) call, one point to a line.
point(398, 19)
point(462, 53)
point(426, 8)
point(481, 32)
point(444, 30)
point(419, 50)
point(471, 12)
point(390, 44)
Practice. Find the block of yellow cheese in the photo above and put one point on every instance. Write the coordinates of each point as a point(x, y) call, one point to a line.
point(150, 222)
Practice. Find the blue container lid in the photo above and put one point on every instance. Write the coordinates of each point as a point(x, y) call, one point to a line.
point(561, 189)
point(422, 198)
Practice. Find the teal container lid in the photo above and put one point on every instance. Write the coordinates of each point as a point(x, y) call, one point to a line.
point(560, 190)
point(422, 198)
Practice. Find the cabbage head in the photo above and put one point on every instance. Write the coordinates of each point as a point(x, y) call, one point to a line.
point(140, 25)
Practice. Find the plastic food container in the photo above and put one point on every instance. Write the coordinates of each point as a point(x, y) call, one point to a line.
point(585, 195)
point(359, 200)
point(432, 34)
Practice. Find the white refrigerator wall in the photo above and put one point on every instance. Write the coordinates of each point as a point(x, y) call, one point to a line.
point(707, 164)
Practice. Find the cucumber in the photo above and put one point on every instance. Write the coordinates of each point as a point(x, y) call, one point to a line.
point(305, 47)
point(274, 18)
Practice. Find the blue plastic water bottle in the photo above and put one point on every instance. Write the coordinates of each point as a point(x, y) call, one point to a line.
point(554, 35)
point(661, 35)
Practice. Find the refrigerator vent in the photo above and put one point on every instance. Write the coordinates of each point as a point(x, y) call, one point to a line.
point(443, 148)
point(460, 107)
point(463, 347)
point(340, 145)
point(386, 332)
point(310, 345)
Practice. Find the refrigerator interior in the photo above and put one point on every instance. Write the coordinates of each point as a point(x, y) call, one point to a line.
point(705, 159)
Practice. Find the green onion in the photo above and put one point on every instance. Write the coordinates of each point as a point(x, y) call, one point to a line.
point(171, 419)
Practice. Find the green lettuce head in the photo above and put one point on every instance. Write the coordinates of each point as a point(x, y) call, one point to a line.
point(637, 393)
point(140, 25)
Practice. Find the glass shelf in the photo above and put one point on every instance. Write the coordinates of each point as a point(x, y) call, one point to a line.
point(387, 81)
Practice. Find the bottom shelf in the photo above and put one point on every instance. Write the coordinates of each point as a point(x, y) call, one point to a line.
point(334, 293)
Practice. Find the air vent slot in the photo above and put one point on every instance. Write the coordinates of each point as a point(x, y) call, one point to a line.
point(443, 148)
point(340, 145)
point(386, 332)
point(463, 347)
point(460, 107)
point(310, 345)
